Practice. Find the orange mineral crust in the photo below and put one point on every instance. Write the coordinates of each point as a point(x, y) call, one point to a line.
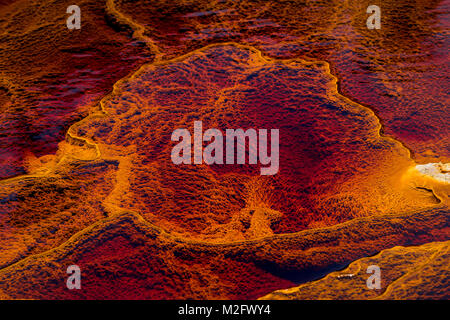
point(86, 118)
point(51, 76)
point(400, 71)
point(222, 231)
point(39, 212)
point(334, 165)
point(409, 273)
point(125, 257)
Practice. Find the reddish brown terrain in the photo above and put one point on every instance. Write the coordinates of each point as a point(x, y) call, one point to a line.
point(86, 122)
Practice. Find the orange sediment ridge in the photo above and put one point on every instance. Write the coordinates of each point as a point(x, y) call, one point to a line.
point(110, 194)
point(113, 201)
point(407, 273)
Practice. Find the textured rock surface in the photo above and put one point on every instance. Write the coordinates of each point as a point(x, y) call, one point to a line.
point(357, 110)
point(406, 273)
